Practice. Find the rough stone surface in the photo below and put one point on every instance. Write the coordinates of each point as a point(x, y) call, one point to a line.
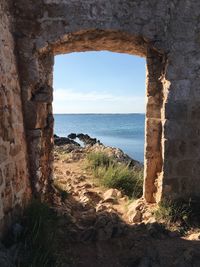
point(115, 193)
point(166, 32)
point(135, 211)
point(14, 178)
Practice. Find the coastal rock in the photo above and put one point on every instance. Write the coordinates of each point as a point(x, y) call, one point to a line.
point(60, 141)
point(94, 145)
point(87, 140)
point(72, 136)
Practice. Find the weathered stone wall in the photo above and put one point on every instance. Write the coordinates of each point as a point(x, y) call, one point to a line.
point(14, 180)
point(165, 32)
point(47, 28)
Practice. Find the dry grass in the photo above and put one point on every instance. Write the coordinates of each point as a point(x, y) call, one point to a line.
point(111, 174)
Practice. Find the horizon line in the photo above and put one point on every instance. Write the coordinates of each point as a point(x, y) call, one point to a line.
point(98, 113)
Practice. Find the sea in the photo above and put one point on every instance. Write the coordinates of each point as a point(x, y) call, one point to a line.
point(124, 131)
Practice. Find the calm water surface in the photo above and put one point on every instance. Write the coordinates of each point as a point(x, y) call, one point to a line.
point(125, 131)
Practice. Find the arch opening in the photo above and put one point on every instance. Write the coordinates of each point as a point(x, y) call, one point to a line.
point(99, 99)
point(98, 40)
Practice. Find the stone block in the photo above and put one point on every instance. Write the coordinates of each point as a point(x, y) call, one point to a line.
point(184, 167)
point(176, 111)
point(193, 148)
point(36, 133)
point(153, 135)
point(195, 112)
point(169, 167)
point(36, 115)
point(180, 90)
point(175, 148)
point(1, 177)
point(3, 153)
point(196, 167)
point(15, 149)
point(43, 94)
point(9, 172)
point(153, 111)
point(171, 187)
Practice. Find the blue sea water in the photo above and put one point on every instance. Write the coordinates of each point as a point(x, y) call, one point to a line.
point(125, 131)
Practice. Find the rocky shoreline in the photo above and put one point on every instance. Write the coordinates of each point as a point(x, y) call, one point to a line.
point(72, 143)
point(70, 139)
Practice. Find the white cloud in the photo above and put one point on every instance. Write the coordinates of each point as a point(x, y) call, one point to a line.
point(72, 101)
point(69, 95)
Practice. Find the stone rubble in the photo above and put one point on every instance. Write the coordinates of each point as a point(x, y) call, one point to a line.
point(96, 218)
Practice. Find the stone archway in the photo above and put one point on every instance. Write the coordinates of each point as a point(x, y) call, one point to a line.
point(40, 123)
point(145, 28)
point(117, 41)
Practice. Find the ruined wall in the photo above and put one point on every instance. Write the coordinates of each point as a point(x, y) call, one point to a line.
point(180, 115)
point(165, 32)
point(13, 166)
point(46, 28)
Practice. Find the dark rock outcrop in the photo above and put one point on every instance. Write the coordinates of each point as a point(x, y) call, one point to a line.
point(72, 136)
point(87, 140)
point(60, 141)
point(94, 145)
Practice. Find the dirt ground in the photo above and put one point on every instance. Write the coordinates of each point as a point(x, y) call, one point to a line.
point(99, 231)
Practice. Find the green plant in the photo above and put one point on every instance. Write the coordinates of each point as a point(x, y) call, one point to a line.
point(40, 224)
point(122, 178)
point(116, 175)
point(98, 159)
point(174, 211)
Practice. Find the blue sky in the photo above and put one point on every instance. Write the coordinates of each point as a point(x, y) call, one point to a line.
point(99, 82)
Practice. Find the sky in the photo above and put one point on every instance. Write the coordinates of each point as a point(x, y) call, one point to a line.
point(99, 82)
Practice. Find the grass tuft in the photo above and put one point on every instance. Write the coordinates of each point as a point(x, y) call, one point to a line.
point(186, 214)
point(40, 224)
point(99, 159)
point(116, 175)
point(174, 212)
